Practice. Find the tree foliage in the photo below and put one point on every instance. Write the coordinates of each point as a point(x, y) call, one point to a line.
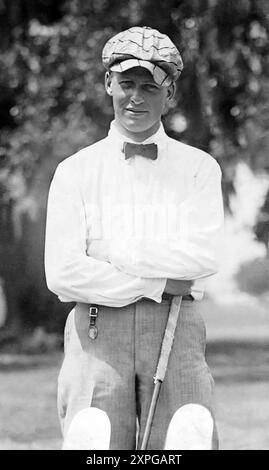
point(53, 102)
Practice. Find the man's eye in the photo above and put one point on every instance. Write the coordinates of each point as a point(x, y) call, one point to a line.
point(126, 83)
point(151, 87)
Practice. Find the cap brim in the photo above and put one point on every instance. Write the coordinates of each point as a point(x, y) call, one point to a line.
point(159, 75)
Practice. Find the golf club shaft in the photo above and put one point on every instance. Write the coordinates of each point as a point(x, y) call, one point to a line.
point(162, 364)
point(152, 408)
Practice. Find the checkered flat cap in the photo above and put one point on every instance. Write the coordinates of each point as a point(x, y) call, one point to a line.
point(144, 47)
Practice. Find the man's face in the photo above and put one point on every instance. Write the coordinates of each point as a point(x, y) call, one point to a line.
point(138, 101)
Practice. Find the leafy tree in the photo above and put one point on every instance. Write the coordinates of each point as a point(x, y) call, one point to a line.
point(53, 102)
point(261, 228)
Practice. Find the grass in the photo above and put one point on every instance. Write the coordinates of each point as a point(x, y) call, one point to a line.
point(239, 363)
point(28, 405)
point(240, 370)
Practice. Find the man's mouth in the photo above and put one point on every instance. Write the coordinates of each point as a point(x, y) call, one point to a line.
point(136, 111)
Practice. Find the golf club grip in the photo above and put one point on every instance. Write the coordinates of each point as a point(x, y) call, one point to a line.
point(168, 338)
point(152, 408)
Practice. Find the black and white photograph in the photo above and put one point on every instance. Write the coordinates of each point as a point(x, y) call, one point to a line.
point(134, 227)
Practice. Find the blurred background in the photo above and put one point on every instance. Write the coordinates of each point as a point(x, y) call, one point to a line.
point(53, 103)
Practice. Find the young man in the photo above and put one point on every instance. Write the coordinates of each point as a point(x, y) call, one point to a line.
point(128, 227)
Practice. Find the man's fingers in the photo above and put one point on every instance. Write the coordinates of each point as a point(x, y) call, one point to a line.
point(178, 287)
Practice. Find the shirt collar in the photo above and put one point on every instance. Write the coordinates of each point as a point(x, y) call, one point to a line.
point(159, 138)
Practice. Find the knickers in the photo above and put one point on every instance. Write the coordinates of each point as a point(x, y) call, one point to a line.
point(114, 372)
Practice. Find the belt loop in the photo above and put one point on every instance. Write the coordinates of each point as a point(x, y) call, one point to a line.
point(93, 314)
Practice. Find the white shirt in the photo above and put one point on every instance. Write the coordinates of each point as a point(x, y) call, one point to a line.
point(117, 229)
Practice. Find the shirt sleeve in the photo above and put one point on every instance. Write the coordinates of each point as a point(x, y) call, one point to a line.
point(70, 273)
point(193, 252)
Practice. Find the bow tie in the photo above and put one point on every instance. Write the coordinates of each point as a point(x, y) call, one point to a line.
point(147, 150)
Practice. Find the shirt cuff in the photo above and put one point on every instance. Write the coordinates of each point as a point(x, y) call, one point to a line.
point(154, 289)
point(198, 289)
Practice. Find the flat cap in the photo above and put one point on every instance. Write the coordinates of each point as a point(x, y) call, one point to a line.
point(144, 47)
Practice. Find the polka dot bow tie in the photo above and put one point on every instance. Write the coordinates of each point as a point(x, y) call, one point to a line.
point(148, 150)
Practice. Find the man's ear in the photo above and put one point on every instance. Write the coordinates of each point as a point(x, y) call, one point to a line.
point(108, 83)
point(171, 90)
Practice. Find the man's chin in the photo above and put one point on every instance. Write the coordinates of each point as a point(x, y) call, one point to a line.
point(140, 129)
point(137, 127)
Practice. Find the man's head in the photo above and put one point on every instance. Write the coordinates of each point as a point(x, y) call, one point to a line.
point(142, 66)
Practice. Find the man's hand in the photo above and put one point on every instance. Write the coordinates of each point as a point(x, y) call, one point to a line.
point(175, 287)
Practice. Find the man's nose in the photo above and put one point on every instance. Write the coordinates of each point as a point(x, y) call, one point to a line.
point(137, 96)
